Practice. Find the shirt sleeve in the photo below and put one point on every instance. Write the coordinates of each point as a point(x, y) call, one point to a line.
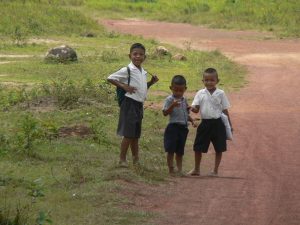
point(196, 100)
point(121, 75)
point(168, 102)
point(224, 101)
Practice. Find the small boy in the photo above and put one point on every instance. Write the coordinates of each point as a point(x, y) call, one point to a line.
point(177, 130)
point(131, 109)
point(211, 102)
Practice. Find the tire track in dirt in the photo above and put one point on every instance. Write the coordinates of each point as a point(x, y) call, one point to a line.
point(259, 182)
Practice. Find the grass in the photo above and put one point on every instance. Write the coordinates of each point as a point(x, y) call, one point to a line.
point(280, 17)
point(75, 179)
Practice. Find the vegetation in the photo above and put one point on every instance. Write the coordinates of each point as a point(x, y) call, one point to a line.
point(280, 17)
point(58, 148)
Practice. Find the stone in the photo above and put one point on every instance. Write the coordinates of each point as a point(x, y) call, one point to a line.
point(179, 57)
point(61, 54)
point(161, 50)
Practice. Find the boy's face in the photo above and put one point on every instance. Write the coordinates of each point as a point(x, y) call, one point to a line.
point(137, 56)
point(210, 80)
point(178, 90)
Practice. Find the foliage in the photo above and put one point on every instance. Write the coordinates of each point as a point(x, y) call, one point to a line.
point(282, 17)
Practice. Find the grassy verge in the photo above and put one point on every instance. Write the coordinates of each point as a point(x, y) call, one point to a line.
point(58, 148)
point(280, 17)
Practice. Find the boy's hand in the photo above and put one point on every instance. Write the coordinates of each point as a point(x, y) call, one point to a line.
point(193, 123)
point(176, 103)
point(194, 109)
point(129, 89)
point(154, 79)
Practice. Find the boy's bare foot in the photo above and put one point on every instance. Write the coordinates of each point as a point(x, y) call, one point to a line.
point(171, 170)
point(213, 174)
point(194, 172)
point(123, 164)
point(180, 174)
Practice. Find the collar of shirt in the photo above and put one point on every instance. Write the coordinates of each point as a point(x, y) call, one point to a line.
point(133, 67)
point(138, 79)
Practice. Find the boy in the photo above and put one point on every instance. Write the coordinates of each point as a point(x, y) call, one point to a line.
point(211, 102)
point(177, 130)
point(131, 109)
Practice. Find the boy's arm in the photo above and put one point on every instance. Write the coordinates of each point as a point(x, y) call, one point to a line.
point(226, 112)
point(125, 87)
point(192, 121)
point(169, 109)
point(153, 80)
point(195, 108)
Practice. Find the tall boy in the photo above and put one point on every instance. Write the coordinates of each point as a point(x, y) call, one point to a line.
point(211, 102)
point(176, 107)
point(131, 109)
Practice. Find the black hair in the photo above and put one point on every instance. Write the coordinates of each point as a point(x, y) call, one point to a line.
point(137, 45)
point(211, 71)
point(178, 80)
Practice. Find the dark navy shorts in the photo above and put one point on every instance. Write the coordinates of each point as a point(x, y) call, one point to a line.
point(175, 138)
point(130, 119)
point(210, 130)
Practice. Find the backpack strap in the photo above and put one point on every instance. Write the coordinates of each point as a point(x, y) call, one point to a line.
point(128, 71)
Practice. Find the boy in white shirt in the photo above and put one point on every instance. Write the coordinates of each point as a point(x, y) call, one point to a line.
point(211, 102)
point(131, 108)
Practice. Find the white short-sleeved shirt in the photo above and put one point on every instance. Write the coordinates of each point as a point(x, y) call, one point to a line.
point(138, 79)
point(211, 105)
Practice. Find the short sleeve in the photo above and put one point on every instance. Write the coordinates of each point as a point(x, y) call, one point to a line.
point(121, 75)
point(196, 100)
point(168, 102)
point(224, 101)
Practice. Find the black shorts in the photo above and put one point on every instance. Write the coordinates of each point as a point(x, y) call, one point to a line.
point(211, 130)
point(130, 119)
point(175, 138)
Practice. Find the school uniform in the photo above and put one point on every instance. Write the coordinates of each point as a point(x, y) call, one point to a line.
point(177, 129)
point(131, 109)
point(212, 128)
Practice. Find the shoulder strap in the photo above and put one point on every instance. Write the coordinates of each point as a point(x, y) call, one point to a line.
point(128, 71)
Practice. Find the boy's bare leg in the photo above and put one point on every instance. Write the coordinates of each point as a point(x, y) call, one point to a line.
point(170, 159)
point(179, 163)
point(217, 162)
point(198, 156)
point(135, 150)
point(124, 148)
point(196, 170)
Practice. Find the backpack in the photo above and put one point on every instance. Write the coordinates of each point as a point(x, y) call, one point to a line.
point(120, 92)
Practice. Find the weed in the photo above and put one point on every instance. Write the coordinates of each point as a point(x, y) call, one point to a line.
point(28, 133)
point(43, 218)
point(110, 56)
point(99, 132)
point(18, 36)
point(20, 216)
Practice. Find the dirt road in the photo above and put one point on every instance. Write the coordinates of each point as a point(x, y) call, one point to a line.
point(259, 181)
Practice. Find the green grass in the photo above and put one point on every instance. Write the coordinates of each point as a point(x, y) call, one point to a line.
point(74, 180)
point(23, 18)
point(280, 17)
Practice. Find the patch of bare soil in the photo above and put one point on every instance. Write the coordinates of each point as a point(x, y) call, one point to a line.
point(75, 131)
point(259, 180)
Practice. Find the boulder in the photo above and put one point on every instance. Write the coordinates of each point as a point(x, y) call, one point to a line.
point(61, 54)
point(161, 50)
point(179, 57)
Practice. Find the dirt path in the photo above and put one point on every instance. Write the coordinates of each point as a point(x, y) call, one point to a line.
point(260, 179)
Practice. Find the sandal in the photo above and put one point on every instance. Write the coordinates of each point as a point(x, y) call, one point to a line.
point(193, 173)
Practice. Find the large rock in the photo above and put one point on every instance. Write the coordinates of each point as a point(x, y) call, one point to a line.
point(161, 50)
point(61, 54)
point(179, 57)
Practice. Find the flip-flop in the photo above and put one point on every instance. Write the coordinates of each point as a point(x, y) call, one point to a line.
point(213, 174)
point(193, 173)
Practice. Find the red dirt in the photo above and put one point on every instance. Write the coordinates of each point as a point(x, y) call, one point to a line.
point(259, 179)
